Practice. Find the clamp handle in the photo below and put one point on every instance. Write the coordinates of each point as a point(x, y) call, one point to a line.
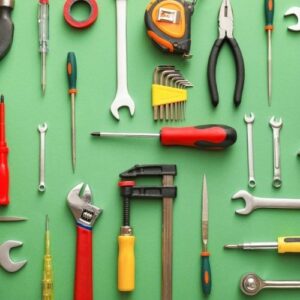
point(83, 289)
point(85, 23)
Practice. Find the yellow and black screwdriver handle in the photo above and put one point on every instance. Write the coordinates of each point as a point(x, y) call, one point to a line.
point(288, 244)
point(168, 24)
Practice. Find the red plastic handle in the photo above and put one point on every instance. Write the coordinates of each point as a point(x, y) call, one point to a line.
point(4, 172)
point(81, 24)
point(83, 289)
point(206, 137)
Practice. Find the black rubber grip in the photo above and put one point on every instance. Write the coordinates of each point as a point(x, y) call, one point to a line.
point(240, 71)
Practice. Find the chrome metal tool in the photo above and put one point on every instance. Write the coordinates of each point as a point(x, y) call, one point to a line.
point(296, 12)
point(42, 130)
point(249, 120)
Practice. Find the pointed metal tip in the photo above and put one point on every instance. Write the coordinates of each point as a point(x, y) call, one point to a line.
point(2, 99)
point(44, 89)
point(231, 246)
point(47, 223)
point(95, 134)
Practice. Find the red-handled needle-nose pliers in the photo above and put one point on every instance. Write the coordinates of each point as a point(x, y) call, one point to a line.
point(226, 34)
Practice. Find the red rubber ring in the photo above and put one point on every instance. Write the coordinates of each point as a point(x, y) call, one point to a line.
point(126, 183)
point(81, 24)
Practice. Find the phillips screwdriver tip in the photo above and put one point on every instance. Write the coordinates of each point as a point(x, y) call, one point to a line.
point(2, 99)
point(231, 246)
point(96, 134)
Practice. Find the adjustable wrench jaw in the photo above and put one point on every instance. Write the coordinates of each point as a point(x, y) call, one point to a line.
point(79, 201)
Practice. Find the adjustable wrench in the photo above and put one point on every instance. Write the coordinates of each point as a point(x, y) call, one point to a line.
point(42, 129)
point(249, 119)
point(276, 126)
point(85, 214)
point(252, 203)
point(122, 97)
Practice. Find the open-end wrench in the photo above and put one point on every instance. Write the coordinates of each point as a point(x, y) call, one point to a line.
point(122, 99)
point(252, 203)
point(251, 284)
point(276, 125)
point(42, 130)
point(5, 261)
point(249, 120)
point(294, 11)
point(85, 214)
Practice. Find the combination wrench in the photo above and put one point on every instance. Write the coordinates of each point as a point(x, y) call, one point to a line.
point(251, 284)
point(276, 125)
point(122, 99)
point(249, 120)
point(42, 130)
point(252, 203)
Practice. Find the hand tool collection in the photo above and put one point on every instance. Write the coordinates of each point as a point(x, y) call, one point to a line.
point(169, 94)
point(167, 192)
point(168, 24)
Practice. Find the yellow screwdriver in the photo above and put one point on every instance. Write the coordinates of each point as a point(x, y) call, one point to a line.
point(48, 274)
point(288, 244)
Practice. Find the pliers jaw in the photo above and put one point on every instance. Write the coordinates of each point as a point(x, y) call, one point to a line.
point(226, 20)
point(79, 201)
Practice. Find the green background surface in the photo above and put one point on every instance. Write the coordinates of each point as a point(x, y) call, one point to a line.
point(99, 162)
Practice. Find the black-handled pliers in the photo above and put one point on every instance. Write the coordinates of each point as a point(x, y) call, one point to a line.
point(226, 34)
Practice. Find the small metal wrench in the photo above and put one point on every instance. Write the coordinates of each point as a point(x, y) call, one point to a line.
point(252, 203)
point(122, 99)
point(276, 125)
point(294, 11)
point(42, 129)
point(251, 284)
point(5, 261)
point(249, 120)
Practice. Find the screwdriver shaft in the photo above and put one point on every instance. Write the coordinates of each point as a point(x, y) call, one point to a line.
point(73, 131)
point(269, 67)
point(125, 134)
point(253, 246)
point(43, 79)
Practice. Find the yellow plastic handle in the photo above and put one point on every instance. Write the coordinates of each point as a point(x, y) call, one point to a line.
point(126, 264)
point(289, 244)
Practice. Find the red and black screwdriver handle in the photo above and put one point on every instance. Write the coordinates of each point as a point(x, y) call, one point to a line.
point(83, 287)
point(240, 70)
point(205, 137)
point(85, 23)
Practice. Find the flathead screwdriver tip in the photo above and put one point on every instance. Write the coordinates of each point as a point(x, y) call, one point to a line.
point(47, 223)
point(2, 99)
point(230, 246)
point(96, 134)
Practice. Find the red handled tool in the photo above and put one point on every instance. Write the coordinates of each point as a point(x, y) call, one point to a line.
point(4, 172)
point(85, 214)
point(85, 23)
point(205, 137)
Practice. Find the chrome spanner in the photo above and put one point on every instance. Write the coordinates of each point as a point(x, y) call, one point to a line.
point(251, 284)
point(249, 120)
point(276, 125)
point(294, 11)
point(122, 99)
point(252, 203)
point(42, 130)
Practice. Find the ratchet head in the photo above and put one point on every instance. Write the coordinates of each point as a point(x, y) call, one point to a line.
point(249, 202)
point(251, 284)
point(43, 127)
point(276, 123)
point(5, 260)
point(79, 201)
point(249, 118)
point(122, 100)
point(226, 20)
point(294, 11)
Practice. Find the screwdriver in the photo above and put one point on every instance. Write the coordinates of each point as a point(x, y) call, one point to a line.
point(4, 171)
point(205, 264)
point(43, 21)
point(283, 245)
point(269, 14)
point(48, 274)
point(72, 78)
point(206, 137)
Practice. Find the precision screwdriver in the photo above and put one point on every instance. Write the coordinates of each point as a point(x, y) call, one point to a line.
point(205, 264)
point(290, 244)
point(205, 137)
point(269, 14)
point(72, 78)
point(4, 170)
point(43, 21)
point(48, 274)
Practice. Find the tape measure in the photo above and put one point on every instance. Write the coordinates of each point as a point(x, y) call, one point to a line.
point(168, 24)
